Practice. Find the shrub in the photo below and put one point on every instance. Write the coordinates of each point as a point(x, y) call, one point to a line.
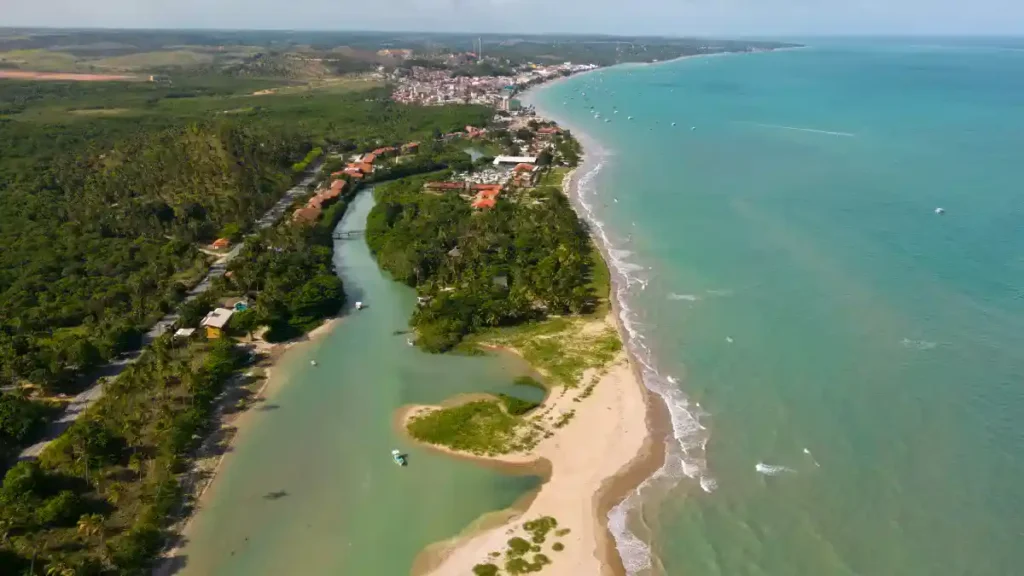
point(61, 510)
point(558, 546)
point(485, 570)
point(517, 406)
point(518, 546)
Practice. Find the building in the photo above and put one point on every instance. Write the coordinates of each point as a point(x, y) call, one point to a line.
point(306, 215)
point(485, 203)
point(216, 322)
point(498, 161)
point(368, 158)
point(221, 244)
point(410, 148)
point(184, 333)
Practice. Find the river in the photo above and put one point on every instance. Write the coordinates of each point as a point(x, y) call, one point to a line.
point(309, 486)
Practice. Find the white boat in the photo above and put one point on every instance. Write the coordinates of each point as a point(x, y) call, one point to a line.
point(629, 118)
point(359, 305)
point(312, 362)
point(673, 123)
point(940, 210)
point(398, 457)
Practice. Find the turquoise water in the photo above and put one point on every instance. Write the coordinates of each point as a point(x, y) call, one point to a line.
point(858, 359)
point(309, 487)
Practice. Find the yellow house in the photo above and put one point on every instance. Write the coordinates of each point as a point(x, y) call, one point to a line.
point(216, 321)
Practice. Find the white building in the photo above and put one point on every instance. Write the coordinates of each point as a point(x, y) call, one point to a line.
point(498, 161)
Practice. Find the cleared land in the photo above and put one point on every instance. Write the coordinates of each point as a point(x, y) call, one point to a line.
point(63, 76)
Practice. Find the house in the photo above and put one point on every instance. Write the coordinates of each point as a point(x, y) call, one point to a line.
point(221, 244)
point(368, 158)
point(307, 215)
point(184, 333)
point(410, 148)
point(366, 167)
point(549, 130)
point(353, 172)
point(484, 203)
point(216, 321)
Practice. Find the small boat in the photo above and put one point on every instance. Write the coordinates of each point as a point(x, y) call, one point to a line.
point(399, 458)
point(629, 118)
point(673, 123)
point(312, 362)
point(940, 211)
point(359, 305)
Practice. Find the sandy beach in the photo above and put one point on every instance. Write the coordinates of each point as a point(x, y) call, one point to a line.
point(583, 482)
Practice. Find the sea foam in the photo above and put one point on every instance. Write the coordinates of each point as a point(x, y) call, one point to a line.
point(686, 456)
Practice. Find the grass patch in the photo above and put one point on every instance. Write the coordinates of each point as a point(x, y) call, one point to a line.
point(554, 177)
point(529, 382)
point(561, 348)
point(600, 284)
point(159, 59)
point(517, 406)
point(480, 427)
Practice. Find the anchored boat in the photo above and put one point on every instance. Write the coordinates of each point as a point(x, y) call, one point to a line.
point(398, 457)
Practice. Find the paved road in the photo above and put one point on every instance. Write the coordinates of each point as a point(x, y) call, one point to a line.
point(80, 403)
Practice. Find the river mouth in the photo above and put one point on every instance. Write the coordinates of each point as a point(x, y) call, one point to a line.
point(309, 486)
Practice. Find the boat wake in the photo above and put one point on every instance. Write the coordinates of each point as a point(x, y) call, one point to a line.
point(686, 456)
point(810, 130)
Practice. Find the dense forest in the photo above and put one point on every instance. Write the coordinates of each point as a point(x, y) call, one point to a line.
point(102, 218)
point(99, 498)
point(528, 257)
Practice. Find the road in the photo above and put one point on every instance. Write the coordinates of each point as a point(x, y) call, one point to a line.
point(80, 403)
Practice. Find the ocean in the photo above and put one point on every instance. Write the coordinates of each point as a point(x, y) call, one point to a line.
point(820, 253)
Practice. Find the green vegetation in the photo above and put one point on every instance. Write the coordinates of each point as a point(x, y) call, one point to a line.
point(558, 546)
point(100, 497)
point(517, 406)
point(512, 264)
point(562, 348)
point(300, 166)
point(480, 427)
point(21, 421)
point(289, 273)
point(485, 570)
point(102, 216)
point(529, 382)
point(518, 550)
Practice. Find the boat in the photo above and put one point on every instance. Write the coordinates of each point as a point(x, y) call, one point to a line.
point(359, 305)
point(940, 211)
point(399, 458)
point(312, 362)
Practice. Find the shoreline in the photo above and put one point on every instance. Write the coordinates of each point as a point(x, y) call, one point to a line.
point(226, 427)
point(459, 554)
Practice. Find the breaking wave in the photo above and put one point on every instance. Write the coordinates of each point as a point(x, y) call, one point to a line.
point(686, 456)
point(686, 297)
point(772, 470)
point(917, 344)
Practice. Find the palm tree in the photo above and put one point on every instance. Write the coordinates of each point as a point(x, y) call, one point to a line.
point(60, 569)
point(91, 525)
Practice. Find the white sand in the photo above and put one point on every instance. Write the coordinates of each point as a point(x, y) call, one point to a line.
point(605, 436)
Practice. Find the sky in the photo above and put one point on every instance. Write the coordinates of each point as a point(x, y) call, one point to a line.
point(669, 17)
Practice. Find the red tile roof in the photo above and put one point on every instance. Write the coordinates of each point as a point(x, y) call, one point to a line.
point(338, 185)
point(481, 203)
point(366, 167)
point(524, 167)
point(307, 215)
point(220, 243)
point(369, 158)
